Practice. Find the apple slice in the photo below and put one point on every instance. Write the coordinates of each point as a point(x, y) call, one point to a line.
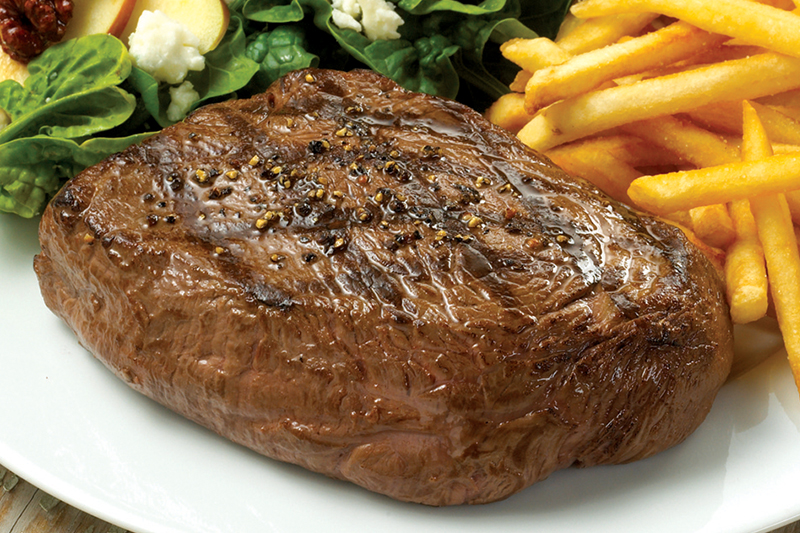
point(88, 17)
point(99, 16)
point(12, 70)
point(207, 19)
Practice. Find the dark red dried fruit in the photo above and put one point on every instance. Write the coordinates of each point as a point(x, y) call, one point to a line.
point(28, 27)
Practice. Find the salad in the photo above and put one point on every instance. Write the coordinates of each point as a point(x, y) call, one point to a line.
point(85, 98)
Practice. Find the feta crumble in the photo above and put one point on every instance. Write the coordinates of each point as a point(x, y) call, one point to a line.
point(164, 48)
point(377, 19)
point(183, 98)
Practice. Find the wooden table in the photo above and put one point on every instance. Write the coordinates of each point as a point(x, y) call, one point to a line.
point(26, 509)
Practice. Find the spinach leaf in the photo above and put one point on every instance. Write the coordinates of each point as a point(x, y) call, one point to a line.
point(227, 70)
point(71, 91)
point(73, 116)
point(71, 94)
point(32, 169)
point(443, 42)
point(154, 95)
point(424, 7)
point(279, 52)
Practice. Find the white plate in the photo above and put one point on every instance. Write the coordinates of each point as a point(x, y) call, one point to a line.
point(70, 427)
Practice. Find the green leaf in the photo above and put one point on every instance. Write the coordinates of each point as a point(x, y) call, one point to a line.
point(447, 47)
point(544, 16)
point(73, 116)
point(279, 52)
point(78, 65)
point(71, 91)
point(271, 11)
point(424, 7)
point(154, 96)
point(32, 169)
point(228, 68)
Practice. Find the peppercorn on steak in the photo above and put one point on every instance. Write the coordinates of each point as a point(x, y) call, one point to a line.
point(383, 287)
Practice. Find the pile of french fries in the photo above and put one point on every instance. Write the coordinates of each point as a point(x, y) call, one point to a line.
point(689, 110)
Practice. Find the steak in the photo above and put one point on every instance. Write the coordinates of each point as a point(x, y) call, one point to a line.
point(381, 286)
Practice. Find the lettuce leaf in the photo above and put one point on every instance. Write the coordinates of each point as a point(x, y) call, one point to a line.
point(279, 52)
point(227, 70)
point(32, 169)
point(447, 48)
point(72, 93)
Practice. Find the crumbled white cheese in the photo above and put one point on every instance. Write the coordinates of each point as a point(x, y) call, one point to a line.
point(183, 98)
point(164, 48)
point(377, 19)
point(344, 15)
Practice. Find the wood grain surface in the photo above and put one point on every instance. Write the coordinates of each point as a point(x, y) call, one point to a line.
point(26, 509)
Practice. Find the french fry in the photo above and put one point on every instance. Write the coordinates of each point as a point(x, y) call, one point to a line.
point(775, 230)
point(568, 25)
point(713, 225)
point(752, 22)
point(520, 81)
point(721, 116)
point(788, 99)
point(603, 31)
point(606, 172)
point(596, 111)
point(691, 143)
point(585, 72)
point(687, 189)
point(778, 148)
point(533, 54)
point(633, 151)
point(508, 112)
point(728, 51)
point(791, 112)
point(793, 201)
point(700, 147)
point(745, 271)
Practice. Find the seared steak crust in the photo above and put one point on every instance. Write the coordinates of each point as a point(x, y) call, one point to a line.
point(383, 287)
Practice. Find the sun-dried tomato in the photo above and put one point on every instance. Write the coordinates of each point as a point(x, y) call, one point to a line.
point(27, 27)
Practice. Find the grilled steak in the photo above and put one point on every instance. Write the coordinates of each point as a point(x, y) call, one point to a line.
point(383, 287)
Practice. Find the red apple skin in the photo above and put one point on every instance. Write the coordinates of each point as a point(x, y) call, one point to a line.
point(95, 16)
point(122, 19)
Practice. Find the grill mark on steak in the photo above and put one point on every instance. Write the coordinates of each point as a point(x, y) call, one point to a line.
point(382, 286)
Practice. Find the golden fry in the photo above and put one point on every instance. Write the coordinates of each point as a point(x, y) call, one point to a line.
point(793, 201)
point(691, 143)
point(585, 72)
point(508, 112)
point(687, 189)
point(633, 151)
point(788, 99)
point(533, 54)
point(776, 232)
point(751, 22)
point(745, 271)
point(723, 116)
point(713, 225)
point(520, 81)
point(599, 167)
point(568, 25)
point(603, 31)
point(596, 111)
